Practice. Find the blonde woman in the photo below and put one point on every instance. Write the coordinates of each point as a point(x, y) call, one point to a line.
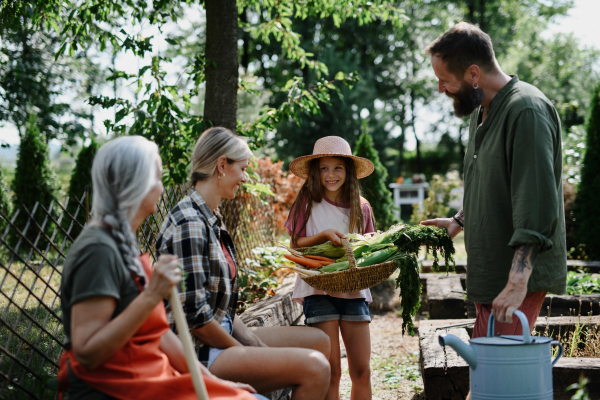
point(266, 358)
point(118, 341)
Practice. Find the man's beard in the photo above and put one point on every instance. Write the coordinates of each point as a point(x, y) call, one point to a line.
point(466, 100)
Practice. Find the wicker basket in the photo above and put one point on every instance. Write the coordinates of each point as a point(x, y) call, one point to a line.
point(353, 279)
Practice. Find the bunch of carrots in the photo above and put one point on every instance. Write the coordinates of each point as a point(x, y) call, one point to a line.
point(309, 261)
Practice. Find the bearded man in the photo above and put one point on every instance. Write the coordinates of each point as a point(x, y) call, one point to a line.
point(513, 210)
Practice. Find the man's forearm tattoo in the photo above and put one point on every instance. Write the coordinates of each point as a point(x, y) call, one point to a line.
point(524, 258)
point(460, 218)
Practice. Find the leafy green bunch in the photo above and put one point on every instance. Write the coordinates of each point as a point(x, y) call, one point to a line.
point(581, 283)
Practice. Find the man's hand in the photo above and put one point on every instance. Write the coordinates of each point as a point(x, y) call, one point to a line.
point(515, 291)
point(449, 223)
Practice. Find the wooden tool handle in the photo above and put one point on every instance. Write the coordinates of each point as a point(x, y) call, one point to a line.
point(188, 346)
point(349, 253)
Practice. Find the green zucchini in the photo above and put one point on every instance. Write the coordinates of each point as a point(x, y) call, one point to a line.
point(372, 259)
point(377, 257)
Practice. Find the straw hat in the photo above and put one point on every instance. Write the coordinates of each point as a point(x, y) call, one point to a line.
point(331, 146)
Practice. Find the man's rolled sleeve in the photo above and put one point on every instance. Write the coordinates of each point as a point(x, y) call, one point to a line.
point(533, 188)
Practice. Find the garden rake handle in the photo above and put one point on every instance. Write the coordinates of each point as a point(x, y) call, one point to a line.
point(188, 347)
point(349, 253)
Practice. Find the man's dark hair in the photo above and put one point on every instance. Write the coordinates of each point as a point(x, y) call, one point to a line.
point(462, 46)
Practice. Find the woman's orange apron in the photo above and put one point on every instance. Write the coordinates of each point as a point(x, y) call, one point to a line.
point(140, 370)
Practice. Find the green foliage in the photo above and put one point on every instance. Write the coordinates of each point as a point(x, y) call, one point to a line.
point(5, 204)
point(559, 67)
point(31, 79)
point(34, 181)
point(439, 196)
point(163, 113)
point(81, 177)
point(259, 280)
point(581, 389)
point(374, 186)
point(586, 211)
point(573, 153)
point(582, 283)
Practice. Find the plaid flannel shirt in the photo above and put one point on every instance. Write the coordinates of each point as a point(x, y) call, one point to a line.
point(193, 232)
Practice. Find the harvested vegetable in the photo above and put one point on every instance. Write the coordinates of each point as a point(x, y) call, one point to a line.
point(320, 258)
point(407, 240)
point(304, 261)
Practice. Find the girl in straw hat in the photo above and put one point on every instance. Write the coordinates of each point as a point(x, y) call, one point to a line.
point(328, 207)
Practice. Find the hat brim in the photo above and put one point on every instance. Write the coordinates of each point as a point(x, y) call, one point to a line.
point(299, 166)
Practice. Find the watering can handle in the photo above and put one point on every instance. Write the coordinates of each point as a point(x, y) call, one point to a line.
point(524, 324)
point(560, 351)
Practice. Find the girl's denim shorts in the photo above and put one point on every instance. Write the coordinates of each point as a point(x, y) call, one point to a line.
point(320, 308)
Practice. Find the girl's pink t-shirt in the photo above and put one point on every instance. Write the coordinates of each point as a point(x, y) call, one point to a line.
point(327, 215)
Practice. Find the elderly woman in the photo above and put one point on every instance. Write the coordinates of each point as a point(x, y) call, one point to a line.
point(266, 358)
point(119, 345)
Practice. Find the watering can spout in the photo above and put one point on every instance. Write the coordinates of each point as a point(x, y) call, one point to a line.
point(463, 350)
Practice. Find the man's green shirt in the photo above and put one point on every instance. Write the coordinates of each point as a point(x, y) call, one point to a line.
point(513, 192)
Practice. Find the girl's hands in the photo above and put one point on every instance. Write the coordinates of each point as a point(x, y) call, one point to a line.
point(166, 274)
point(334, 236)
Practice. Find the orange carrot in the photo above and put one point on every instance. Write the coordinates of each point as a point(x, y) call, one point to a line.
point(304, 261)
point(320, 258)
point(323, 263)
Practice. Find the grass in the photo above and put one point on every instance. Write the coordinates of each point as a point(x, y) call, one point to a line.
point(579, 340)
point(41, 368)
point(394, 373)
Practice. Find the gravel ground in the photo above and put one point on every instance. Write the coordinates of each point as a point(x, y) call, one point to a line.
point(395, 372)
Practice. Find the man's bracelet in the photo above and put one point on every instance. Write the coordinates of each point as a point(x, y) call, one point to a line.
point(462, 226)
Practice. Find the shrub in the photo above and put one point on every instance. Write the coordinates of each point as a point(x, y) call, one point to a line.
point(439, 196)
point(80, 178)
point(374, 186)
point(284, 185)
point(586, 211)
point(5, 206)
point(34, 181)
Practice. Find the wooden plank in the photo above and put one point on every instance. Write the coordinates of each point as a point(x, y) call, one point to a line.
point(445, 374)
point(427, 266)
point(445, 296)
point(564, 305)
point(461, 265)
point(568, 370)
point(554, 325)
point(279, 310)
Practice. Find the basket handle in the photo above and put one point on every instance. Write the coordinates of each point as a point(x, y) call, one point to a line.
point(349, 253)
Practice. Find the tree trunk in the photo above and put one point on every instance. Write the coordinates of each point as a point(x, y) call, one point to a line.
point(220, 103)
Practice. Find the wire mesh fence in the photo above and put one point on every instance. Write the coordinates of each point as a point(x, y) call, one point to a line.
point(33, 245)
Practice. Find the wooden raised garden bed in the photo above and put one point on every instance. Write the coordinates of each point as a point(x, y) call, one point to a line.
point(446, 375)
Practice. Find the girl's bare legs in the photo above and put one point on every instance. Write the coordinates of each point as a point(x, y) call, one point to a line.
point(332, 329)
point(357, 338)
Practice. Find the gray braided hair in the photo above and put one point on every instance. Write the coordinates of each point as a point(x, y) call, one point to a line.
point(123, 172)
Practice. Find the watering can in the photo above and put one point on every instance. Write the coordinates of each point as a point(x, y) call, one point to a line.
point(508, 366)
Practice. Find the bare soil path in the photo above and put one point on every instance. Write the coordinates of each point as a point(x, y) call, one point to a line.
point(395, 372)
